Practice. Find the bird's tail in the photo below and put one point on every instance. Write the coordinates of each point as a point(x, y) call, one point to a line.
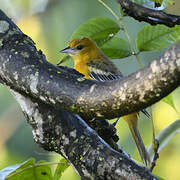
point(131, 119)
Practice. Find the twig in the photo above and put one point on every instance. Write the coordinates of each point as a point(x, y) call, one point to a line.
point(151, 16)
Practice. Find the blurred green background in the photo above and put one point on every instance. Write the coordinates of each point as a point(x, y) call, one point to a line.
point(50, 24)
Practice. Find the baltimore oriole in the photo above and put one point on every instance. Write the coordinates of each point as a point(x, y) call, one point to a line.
point(95, 65)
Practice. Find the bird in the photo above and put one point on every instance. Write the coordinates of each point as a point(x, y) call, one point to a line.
point(90, 61)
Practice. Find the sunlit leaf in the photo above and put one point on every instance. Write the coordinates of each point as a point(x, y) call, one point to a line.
point(61, 167)
point(153, 38)
point(160, 178)
point(6, 171)
point(165, 135)
point(116, 48)
point(169, 100)
point(176, 98)
point(99, 29)
point(29, 170)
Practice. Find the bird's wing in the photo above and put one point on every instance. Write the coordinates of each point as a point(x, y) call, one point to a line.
point(103, 76)
point(106, 71)
point(103, 71)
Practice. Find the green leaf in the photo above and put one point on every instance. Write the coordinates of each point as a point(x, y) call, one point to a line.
point(176, 99)
point(160, 178)
point(116, 48)
point(29, 170)
point(8, 170)
point(165, 135)
point(153, 38)
point(99, 29)
point(169, 100)
point(61, 167)
point(41, 172)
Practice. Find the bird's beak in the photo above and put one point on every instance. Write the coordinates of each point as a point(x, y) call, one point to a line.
point(68, 50)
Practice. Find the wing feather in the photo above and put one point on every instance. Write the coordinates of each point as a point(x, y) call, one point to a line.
point(104, 70)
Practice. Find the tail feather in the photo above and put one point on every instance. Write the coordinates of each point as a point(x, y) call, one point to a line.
point(140, 145)
point(132, 123)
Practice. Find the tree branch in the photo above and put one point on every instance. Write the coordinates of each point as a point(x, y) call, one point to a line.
point(26, 70)
point(150, 16)
point(68, 135)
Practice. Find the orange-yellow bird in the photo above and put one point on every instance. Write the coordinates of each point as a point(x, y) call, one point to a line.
point(93, 64)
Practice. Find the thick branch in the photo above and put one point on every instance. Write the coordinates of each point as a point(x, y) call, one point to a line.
point(68, 135)
point(151, 16)
point(26, 70)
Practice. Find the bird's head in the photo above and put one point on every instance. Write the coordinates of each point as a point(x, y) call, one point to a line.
point(81, 47)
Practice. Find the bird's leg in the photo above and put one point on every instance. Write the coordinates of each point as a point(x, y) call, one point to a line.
point(156, 154)
point(132, 120)
point(155, 144)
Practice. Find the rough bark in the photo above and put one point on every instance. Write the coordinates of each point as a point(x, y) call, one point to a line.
point(68, 135)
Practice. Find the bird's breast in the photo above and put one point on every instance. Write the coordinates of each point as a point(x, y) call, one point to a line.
point(82, 68)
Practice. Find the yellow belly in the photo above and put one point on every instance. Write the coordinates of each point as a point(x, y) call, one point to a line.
point(83, 69)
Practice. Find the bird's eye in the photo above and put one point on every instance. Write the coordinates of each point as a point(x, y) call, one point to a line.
point(79, 47)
